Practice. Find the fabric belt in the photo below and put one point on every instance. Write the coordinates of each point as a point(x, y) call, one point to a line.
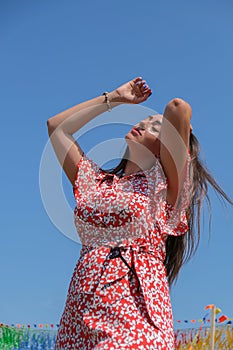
point(116, 253)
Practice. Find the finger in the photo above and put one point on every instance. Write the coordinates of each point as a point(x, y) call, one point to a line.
point(137, 80)
point(141, 86)
point(144, 86)
point(138, 88)
point(141, 83)
point(148, 91)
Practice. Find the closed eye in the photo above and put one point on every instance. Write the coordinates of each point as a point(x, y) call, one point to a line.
point(157, 122)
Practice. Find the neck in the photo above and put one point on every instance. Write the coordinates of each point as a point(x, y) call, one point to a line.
point(136, 163)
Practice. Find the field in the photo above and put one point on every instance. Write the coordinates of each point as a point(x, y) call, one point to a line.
point(24, 338)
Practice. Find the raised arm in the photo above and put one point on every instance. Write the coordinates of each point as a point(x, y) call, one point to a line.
point(175, 133)
point(62, 126)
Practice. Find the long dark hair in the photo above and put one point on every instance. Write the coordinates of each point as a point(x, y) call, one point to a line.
point(179, 249)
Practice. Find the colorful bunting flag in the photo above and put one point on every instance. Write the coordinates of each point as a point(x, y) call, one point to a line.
point(222, 318)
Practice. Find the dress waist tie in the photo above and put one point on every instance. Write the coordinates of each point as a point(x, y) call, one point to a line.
point(116, 253)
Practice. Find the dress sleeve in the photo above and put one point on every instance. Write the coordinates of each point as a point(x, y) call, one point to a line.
point(173, 219)
point(86, 173)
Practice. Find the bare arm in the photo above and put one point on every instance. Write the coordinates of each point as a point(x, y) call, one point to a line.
point(62, 126)
point(175, 133)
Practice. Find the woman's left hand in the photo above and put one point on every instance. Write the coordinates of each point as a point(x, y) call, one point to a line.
point(135, 91)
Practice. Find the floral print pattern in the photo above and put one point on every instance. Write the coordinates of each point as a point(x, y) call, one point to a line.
point(119, 298)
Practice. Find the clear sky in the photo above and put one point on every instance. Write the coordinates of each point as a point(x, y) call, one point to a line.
point(55, 54)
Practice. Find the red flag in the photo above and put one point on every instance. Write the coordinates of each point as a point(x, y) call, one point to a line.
point(222, 318)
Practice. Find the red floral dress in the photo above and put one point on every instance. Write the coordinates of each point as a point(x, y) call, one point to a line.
point(118, 296)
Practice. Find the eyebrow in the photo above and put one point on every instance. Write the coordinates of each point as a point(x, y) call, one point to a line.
point(156, 122)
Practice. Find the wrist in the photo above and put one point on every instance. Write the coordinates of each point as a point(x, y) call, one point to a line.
point(110, 99)
point(114, 97)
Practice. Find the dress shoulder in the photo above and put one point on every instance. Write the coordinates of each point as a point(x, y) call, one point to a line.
point(86, 172)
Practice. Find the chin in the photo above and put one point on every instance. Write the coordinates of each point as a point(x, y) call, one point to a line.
point(130, 137)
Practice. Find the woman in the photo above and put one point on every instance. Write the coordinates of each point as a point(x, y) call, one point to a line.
point(135, 223)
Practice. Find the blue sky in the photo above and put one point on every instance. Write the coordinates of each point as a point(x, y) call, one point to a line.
point(56, 54)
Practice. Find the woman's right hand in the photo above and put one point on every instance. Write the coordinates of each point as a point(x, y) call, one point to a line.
point(135, 91)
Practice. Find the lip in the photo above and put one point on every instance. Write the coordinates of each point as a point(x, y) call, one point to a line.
point(135, 131)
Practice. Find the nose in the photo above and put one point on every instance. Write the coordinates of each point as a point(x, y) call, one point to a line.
point(142, 125)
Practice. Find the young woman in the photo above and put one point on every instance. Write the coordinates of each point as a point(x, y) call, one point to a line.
point(135, 223)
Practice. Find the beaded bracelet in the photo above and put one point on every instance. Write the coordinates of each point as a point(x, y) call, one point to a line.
point(107, 101)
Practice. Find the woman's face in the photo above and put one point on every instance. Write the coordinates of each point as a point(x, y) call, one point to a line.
point(146, 133)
